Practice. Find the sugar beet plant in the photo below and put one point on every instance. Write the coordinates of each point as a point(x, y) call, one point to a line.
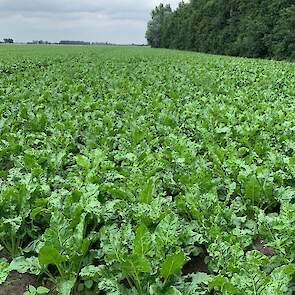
point(139, 171)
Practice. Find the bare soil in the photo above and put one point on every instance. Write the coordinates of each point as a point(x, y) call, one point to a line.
point(196, 264)
point(16, 284)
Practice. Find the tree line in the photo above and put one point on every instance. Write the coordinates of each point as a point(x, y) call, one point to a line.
point(251, 28)
point(7, 41)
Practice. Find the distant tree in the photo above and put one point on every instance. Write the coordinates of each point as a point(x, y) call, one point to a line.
point(8, 40)
point(69, 42)
point(160, 16)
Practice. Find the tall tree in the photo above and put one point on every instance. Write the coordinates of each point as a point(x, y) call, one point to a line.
point(156, 26)
point(253, 28)
point(283, 45)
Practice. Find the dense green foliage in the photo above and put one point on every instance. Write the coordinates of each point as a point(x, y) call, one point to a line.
point(122, 168)
point(252, 28)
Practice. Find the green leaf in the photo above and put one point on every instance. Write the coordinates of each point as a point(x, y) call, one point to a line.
point(136, 264)
point(173, 291)
point(92, 271)
point(65, 286)
point(172, 265)
point(42, 290)
point(49, 255)
point(4, 270)
point(197, 283)
point(289, 269)
point(223, 284)
point(292, 160)
point(253, 189)
point(146, 194)
point(83, 162)
point(166, 232)
point(23, 265)
point(142, 241)
point(32, 289)
point(88, 284)
point(36, 211)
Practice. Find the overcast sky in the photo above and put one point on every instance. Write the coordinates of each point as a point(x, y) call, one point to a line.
point(117, 21)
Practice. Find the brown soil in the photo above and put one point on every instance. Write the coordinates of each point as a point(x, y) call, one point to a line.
point(196, 264)
point(260, 245)
point(16, 284)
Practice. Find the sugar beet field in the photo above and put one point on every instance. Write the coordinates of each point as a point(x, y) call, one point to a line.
point(134, 171)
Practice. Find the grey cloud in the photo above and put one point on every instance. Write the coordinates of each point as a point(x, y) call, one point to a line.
point(120, 21)
point(69, 6)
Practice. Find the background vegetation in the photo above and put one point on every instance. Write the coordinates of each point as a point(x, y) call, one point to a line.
point(252, 28)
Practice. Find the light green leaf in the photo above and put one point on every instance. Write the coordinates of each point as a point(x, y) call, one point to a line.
point(166, 233)
point(146, 194)
point(136, 264)
point(32, 289)
point(65, 286)
point(172, 264)
point(23, 265)
point(92, 271)
point(83, 162)
point(253, 189)
point(173, 291)
point(142, 241)
point(42, 290)
point(4, 270)
point(292, 160)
